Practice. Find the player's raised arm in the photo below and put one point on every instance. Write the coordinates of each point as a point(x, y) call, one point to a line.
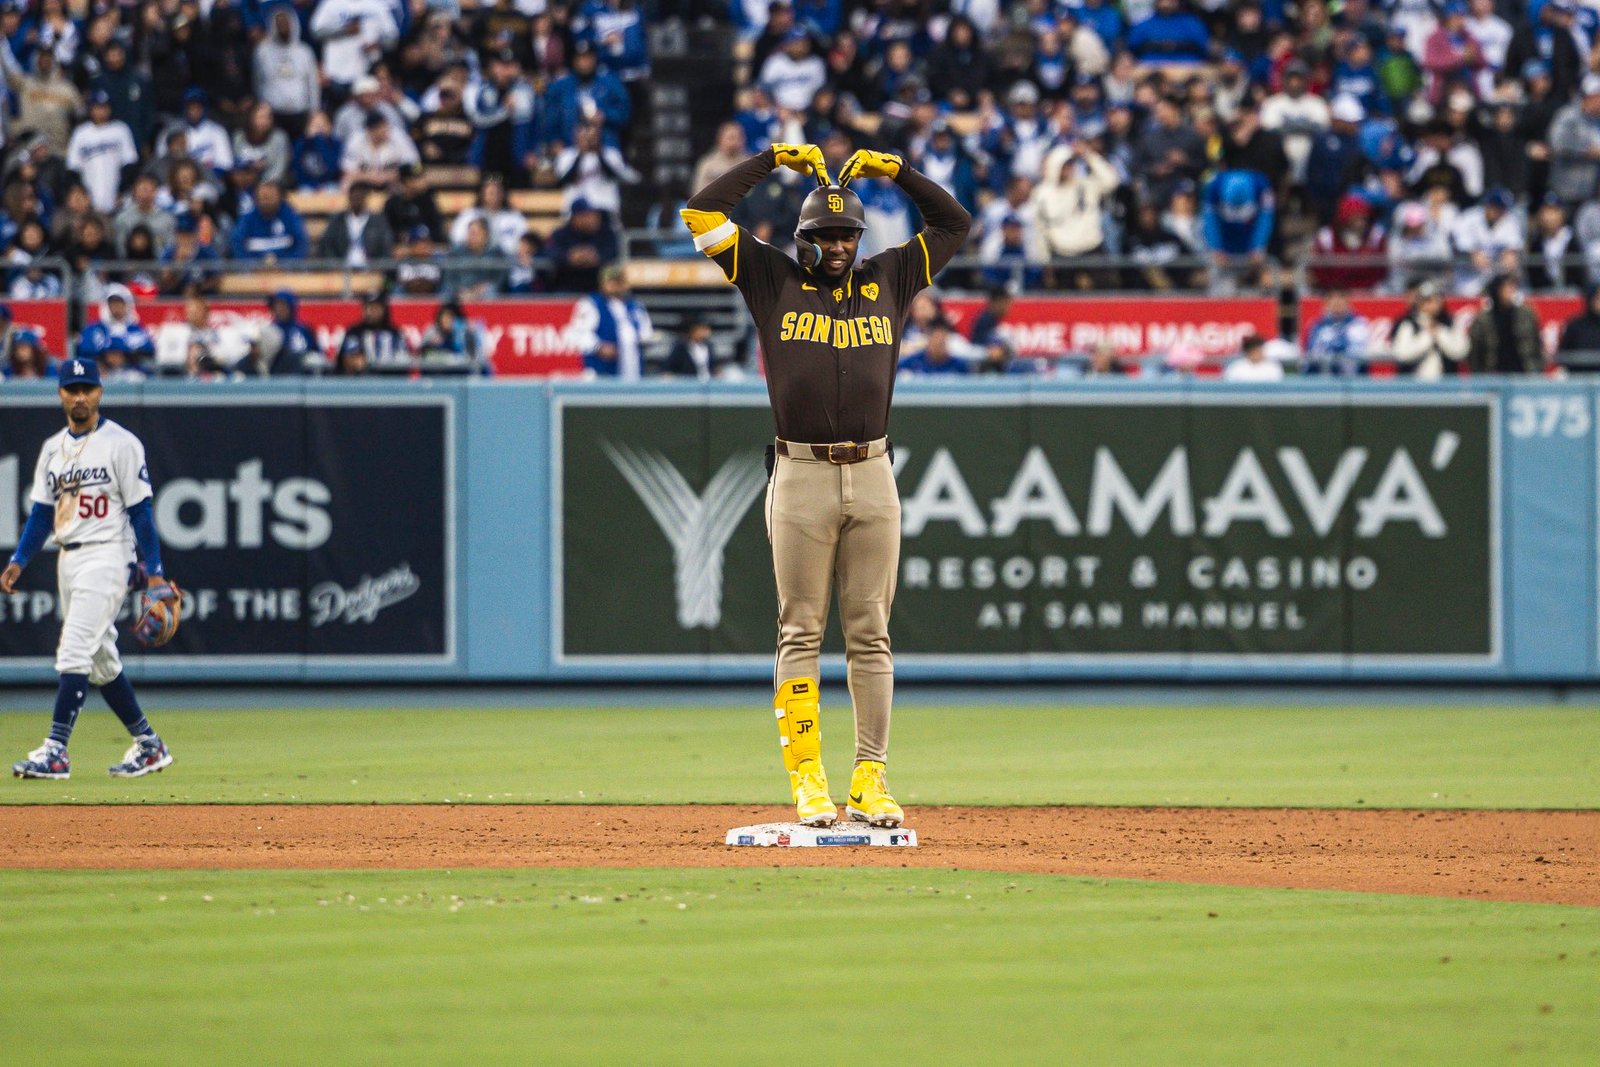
point(755, 267)
point(945, 222)
point(724, 193)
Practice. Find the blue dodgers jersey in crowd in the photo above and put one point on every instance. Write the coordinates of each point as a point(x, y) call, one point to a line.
point(564, 105)
point(1238, 209)
point(98, 338)
point(256, 236)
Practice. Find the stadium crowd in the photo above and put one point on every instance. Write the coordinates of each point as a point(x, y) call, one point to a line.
point(1432, 150)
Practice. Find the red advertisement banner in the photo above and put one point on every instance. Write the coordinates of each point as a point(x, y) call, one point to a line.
point(46, 318)
point(1137, 326)
point(523, 337)
point(1382, 311)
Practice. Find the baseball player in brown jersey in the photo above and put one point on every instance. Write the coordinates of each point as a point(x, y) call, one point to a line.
point(830, 334)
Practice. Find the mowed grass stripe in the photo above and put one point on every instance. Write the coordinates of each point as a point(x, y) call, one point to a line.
point(1414, 757)
point(696, 967)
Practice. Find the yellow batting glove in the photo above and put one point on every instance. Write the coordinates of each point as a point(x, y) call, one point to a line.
point(868, 164)
point(805, 158)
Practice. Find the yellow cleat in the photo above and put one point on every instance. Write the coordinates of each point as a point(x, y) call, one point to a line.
point(870, 801)
point(812, 806)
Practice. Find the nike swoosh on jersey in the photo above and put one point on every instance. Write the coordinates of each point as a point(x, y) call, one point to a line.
point(808, 288)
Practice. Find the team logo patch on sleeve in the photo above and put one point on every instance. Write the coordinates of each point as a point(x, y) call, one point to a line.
point(870, 290)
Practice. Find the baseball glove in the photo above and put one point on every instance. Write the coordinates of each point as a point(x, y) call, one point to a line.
point(162, 608)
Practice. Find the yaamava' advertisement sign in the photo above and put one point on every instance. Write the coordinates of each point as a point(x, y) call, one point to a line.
point(1051, 527)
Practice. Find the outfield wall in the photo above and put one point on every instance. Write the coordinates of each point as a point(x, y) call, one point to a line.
point(529, 531)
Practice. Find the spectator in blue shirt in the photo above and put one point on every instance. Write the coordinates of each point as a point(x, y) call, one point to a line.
point(286, 345)
point(584, 91)
point(1170, 36)
point(1337, 342)
point(936, 359)
point(1103, 18)
point(616, 30)
point(1237, 215)
point(986, 326)
point(504, 106)
point(820, 17)
point(944, 159)
point(317, 155)
point(759, 120)
point(1008, 256)
point(1337, 162)
point(189, 261)
point(118, 326)
point(1356, 75)
point(578, 249)
point(271, 230)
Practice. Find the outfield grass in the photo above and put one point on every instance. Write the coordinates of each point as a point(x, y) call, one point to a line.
point(793, 966)
point(1345, 757)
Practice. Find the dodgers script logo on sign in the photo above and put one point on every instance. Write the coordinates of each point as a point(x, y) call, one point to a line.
point(279, 517)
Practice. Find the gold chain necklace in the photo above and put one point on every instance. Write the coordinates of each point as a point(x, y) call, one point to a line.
point(73, 458)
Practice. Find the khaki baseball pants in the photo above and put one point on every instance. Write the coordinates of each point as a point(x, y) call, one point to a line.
point(837, 526)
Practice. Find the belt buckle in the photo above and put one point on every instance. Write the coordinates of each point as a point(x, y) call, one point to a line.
point(844, 452)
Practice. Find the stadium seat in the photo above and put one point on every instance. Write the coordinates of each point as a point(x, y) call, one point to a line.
point(673, 274)
point(448, 176)
point(302, 283)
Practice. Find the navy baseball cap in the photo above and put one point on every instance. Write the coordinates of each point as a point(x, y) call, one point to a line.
point(78, 372)
point(99, 96)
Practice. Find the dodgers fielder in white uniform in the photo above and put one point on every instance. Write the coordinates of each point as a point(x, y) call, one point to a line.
point(91, 495)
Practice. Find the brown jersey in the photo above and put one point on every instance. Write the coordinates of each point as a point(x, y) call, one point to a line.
point(831, 346)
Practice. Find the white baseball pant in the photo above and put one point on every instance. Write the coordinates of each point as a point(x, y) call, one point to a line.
point(92, 582)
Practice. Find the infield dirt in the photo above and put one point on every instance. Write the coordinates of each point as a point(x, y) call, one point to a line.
point(1534, 856)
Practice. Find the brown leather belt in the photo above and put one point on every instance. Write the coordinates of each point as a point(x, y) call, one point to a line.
point(840, 453)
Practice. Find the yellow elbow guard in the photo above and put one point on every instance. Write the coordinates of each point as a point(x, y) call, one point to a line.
point(713, 231)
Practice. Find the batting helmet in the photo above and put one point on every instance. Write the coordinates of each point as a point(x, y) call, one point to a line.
point(830, 206)
point(826, 207)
